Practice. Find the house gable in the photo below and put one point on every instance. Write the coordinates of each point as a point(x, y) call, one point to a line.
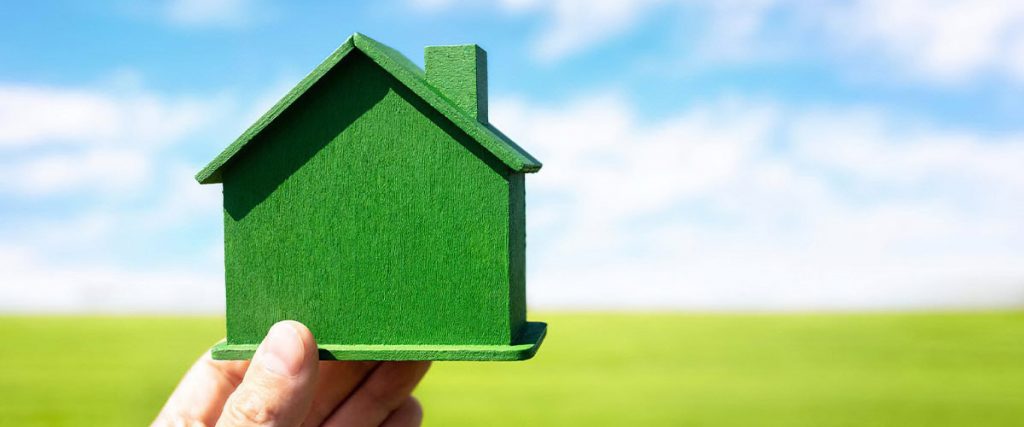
point(404, 71)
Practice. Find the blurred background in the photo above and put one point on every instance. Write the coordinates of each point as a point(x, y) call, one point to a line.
point(762, 212)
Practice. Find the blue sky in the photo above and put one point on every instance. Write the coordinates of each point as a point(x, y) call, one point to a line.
point(737, 155)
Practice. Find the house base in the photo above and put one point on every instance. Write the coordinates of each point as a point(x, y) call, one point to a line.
point(524, 348)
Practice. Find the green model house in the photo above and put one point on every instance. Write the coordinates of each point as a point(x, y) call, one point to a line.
point(375, 204)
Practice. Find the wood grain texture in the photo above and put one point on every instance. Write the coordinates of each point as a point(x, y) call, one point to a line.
point(368, 209)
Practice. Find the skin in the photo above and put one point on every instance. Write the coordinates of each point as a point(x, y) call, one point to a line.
point(286, 384)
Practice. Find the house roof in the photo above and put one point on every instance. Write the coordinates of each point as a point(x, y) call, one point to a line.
point(406, 72)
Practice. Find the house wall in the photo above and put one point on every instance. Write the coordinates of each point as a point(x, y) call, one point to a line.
point(517, 252)
point(369, 217)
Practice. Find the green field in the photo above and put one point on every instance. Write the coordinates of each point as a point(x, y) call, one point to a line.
point(594, 369)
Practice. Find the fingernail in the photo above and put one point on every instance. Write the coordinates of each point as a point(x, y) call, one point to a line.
point(282, 351)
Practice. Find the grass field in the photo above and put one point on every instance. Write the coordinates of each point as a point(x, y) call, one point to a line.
point(594, 369)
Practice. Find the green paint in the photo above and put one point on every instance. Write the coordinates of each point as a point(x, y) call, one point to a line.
point(517, 249)
point(460, 73)
point(380, 214)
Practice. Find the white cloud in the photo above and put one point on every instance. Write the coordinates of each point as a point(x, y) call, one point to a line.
point(104, 212)
point(29, 115)
point(184, 200)
point(734, 31)
point(730, 205)
point(33, 283)
point(432, 5)
point(571, 26)
point(869, 145)
point(42, 115)
point(948, 41)
point(75, 262)
point(96, 176)
point(945, 41)
point(747, 205)
point(210, 13)
point(58, 140)
point(95, 170)
point(577, 24)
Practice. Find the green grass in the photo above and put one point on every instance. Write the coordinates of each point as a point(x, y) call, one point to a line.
point(594, 369)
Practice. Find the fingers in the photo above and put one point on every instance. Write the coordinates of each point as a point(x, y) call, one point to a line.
point(408, 414)
point(280, 384)
point(200, 396)
point(384, 392)
point(278, 387)
point(337, 381)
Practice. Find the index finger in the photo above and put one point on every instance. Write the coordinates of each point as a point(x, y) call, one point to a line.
point(199, 397)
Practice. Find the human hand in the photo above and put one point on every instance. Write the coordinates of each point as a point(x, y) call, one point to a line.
point(285, 384)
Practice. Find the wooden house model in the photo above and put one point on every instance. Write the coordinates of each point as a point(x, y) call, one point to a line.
point(375, 204)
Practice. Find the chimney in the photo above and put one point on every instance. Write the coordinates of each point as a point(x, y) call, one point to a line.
point(460, 73)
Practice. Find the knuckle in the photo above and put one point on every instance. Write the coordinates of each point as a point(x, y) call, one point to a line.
point(383, 397)
point(250, 408)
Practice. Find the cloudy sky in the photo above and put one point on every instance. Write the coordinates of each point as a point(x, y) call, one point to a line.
point(701, 155)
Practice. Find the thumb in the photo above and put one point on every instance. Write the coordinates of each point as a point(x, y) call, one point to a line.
point(278, 387)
